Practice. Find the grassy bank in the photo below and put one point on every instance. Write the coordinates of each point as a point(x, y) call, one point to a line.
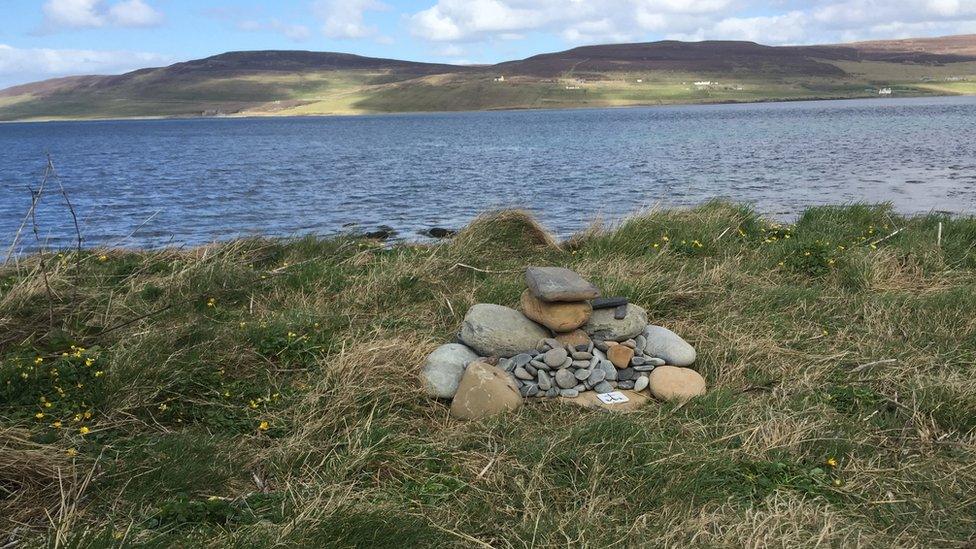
point(262, 392)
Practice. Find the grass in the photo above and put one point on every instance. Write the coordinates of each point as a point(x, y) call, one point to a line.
point(265, 392)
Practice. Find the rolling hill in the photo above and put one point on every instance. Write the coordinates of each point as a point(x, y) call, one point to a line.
point(267, 83)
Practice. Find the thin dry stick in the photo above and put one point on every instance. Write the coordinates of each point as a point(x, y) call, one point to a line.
point(880, 240)
point(35, 197)
point(52, 173)
point(863, 367)
point(938, 238)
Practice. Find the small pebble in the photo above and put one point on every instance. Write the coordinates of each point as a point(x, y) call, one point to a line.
point(522, 373)
point(506, 364)
point(521, 360)
point(581, 364)
point(569, 393)
point(565, 379)
point(580, 387)
point(580, 355)
point(641, 383)
point(625, 384)
point(553, 392)
point(567, 363)
point(627, 374)
point(610, 369)
point(555, 357)
point(552, 343)
point(532, 370)
point(654, 361)
point(596, 376)
point(613, 384)
point(603, 387)
point(582, 374)
point(594, 362)
point(531, 389)
point(583, 348)
point(620, 312)
point(545, 382)
point(629, 343)
point(539, 365)
point(601, 345)
point(637, 361)
point(645, 368)
point(641, 342)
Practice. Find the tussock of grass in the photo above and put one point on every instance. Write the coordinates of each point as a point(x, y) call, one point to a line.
point(265, 392)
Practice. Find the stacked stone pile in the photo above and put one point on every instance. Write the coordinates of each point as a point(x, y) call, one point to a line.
point(567, 340)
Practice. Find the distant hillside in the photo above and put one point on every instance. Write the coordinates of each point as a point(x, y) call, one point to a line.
point(268, 83)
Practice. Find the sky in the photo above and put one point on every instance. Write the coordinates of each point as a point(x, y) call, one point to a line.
point(42, 39)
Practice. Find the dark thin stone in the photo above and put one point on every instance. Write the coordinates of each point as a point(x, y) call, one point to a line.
point(608, 302)
point(620, 312)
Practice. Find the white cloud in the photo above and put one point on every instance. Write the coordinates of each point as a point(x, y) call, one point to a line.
point(782, 22)
point(78, 14)
point(345, 19)
point(19, 65)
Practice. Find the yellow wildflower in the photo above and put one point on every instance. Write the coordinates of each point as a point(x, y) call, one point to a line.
point(71, 452)
point(23, 375)
point(39, 415)
point(211, 302)
point(665, 238)
point(99, 373)
point(831, 462)
point(56, 424)
point(88, 414)
point(38, 360)
point(264, 426)
point(84, 430)
point(163, 407)
point(838, 482)
point(48, 405)
point(103, 258)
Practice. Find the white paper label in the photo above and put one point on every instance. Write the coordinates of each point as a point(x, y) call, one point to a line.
point(614, 397)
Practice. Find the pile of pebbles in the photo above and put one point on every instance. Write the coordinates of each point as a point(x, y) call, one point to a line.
point(562, 370)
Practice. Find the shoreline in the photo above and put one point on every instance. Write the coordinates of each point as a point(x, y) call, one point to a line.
point(506, 109)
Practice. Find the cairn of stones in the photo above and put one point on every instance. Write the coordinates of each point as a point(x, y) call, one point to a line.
point(565, 341)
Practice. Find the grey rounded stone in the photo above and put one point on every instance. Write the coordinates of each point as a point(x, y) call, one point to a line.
point(532, 370)
point(552, 343)
point(567, 363)
point(581, 355)
point(494, 330)
point(644, 368)
point(555, 357)
point(545, 382)
point(539, 365)
point(610, 370)
point(596, 376)
point(522, 373)
point(580, 387)
point(625, 384)
point(637, 361)
point(553, 392)
point(602, 324)
point(626, 374)
point(594, 362)
point(521, 359)
point(640, 383)
point(667, 345)
point(629, 343)
point(529, 390)
point(603, 387)
point(569, 393)
point(582, 374)
point(581, 364)
point(444, 369)
point(654, 361)
point(506, 364)
point(565, 379)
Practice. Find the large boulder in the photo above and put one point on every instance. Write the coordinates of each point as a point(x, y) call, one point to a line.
point(667, 345)
point(494, 330)
point(675, 384)
point(557, 284)
point(603, 325)
point(485, 390)
point(444, 368)
point(558, 317)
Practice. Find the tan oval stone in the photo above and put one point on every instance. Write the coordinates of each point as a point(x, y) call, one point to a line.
point(558, 317)
point(485, 391)
point(620, 355)
point(675, 384)
point(574, 338)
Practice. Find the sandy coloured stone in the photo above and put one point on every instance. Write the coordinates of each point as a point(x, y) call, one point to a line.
point(484, 391)
point(620, 356)
point(574, 338)
point(675, 384)
point(558, 317)
point(590, 400)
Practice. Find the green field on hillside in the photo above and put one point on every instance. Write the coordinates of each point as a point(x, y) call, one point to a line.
point(266, 392)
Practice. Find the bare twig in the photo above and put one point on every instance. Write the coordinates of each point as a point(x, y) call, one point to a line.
point(892, 235)
point(863, 367)
point(486, 271)
point(938, 238)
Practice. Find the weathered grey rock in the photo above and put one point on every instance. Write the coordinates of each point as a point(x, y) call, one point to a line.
point(522, 373)
point(493, 330)
point(569, 393)
point(506, 364)
point(667, 345)
point(539, 365)
point(629, 343)
point(552, 392)
point(637, 361)
point(545, 382)
point(532, 370)
point(552, 343)
point(581, 363)
point(529, 390)
point(630, 384)
point(640, 343)
point(556, 284)
point(566, 363)
point(484, 390)
point(565, 379)
point(603, 326)
point(596, 376)
point(608, 302)
point(654, 361)
point(603, 387)
point(610, 370)
point(601, 345)
point(640, 383)
point(444, 369)
point(582, 374)
point(626, 374)
point(675, 384)
point(555, 357)
point(580, 387)
point(583, 348)
point(644, 368)
point(520, 359)
point(581, 355)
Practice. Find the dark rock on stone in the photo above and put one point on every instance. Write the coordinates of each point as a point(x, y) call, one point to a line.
point(626, 374)
point(383, 232)
point(620, 312)
point(626, 385)
point(608, 302)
